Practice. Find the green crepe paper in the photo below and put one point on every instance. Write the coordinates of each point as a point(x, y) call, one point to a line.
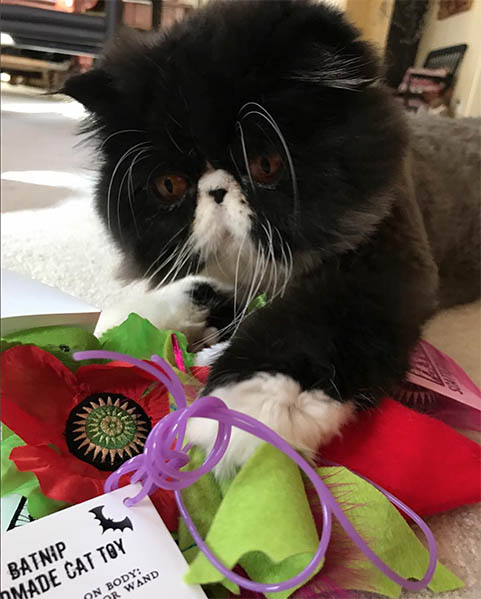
point(263, 522)
point(74, 337)
point(23, 483)
point(388, 535)
point(137, 337)
point(61, 341)
point(258, 302)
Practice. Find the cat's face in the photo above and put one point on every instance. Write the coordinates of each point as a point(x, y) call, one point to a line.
point(251, 133)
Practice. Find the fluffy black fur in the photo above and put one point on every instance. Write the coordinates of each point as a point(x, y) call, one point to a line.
point(364, 280)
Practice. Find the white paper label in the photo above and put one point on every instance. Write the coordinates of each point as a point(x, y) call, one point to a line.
point(99, 549)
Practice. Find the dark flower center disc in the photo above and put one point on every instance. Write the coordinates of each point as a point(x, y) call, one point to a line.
point(106, 429)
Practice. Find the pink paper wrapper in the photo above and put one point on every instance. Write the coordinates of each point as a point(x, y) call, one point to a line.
point(436, 385)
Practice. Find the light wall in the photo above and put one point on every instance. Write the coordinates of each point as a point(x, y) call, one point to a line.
point(372, 17)
point(464, 28)
point(338, 3)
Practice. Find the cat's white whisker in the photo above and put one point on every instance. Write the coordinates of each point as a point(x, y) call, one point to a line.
point(128, 176)
point(167, 260)
point(126, 154)
point(181, 258)
point(236, 277)
point(142, 155)
point(122, 131)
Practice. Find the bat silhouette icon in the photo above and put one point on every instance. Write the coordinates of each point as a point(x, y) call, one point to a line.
point(109, 523)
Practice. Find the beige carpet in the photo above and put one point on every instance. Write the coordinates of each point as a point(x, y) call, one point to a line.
point(49, 232)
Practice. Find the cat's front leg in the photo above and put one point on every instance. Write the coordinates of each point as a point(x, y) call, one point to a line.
point(268, 372)
point(305, 364)
point(198, 306)
point(306, 418)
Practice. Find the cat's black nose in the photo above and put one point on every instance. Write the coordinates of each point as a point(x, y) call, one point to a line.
point(218, 194)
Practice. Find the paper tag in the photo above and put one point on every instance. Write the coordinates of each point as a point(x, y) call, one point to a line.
point(433, 370)
point(98, 549)
point(14, 512)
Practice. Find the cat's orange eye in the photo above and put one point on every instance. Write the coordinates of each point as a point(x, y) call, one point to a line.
point(266, 168)
point(171, 187)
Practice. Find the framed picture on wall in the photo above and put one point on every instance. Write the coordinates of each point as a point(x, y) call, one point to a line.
point(447, 8)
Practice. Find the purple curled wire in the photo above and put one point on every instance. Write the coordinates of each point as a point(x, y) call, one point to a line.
point(159, 466)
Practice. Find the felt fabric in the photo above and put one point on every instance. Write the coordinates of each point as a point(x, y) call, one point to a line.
point(386, 445)
point(422, 461)
point(236, 527)
point(388, 535)
point(263, 522)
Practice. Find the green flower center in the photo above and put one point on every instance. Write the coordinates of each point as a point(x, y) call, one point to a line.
point(106, 429)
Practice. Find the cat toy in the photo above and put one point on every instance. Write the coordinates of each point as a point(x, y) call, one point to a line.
point(164, 456)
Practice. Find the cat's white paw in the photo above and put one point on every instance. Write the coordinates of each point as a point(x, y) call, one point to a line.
point(306, 419)
point(171, 307)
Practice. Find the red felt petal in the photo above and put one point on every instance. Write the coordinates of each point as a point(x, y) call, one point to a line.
point(37, 394)
point(422, 461)
point(61, 477)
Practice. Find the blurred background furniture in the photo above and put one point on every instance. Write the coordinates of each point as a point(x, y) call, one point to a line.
point(43, 26)
point(43, 41)
point(430, 87)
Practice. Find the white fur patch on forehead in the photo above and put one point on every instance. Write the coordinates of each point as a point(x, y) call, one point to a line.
point(220, 224)
point(217, 179)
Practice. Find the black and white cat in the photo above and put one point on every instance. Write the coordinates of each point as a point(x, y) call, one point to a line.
point(251, 149)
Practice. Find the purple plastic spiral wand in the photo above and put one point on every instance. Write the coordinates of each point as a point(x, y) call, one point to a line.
point(159, 466)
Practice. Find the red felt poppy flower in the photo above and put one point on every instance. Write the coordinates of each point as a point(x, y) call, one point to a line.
point(79, 427)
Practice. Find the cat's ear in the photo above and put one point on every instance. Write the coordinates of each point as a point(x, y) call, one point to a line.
point(95, 89)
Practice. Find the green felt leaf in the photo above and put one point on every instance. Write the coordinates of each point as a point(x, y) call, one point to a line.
point(240, 524)
point(23, 483)
point(263, 522)
point(137, 337)
point(388, 534)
